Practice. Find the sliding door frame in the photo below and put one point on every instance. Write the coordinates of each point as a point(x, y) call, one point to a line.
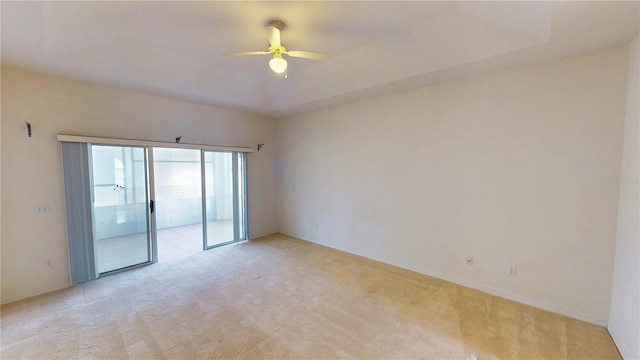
point(245, 201)
point(236, 204)
point(152, 250)
point(239, 162)
point(237, 208)
point(203, 188)
point(151, 205)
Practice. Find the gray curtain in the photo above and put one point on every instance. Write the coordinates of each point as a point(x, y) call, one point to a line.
point(77, 187)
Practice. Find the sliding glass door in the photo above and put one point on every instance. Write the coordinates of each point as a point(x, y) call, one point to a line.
point(242, 208)
point(178, 198)
point(121, 218)
point(156, 204)
point(225, 199)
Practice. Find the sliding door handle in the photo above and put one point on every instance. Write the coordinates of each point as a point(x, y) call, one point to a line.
point(151, 206)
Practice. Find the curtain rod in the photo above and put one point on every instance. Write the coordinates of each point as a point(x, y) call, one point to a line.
point(145, 143)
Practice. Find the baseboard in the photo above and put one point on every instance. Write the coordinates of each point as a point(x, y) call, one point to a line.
point(528, 301)
point(64, 286)
point(34, 294)
point(486, 289)
point(254, 237)
point(622, 348)
point(508, 295)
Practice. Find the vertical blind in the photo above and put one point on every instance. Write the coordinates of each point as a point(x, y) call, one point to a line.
point(77, 187)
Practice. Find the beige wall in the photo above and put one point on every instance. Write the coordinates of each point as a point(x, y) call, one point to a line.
point(0, 188)
point(510, 168)
point(32, 168)
point(518, 167)
point(624, 324)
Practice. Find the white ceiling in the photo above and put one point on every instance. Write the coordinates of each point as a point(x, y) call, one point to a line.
point(176, 48)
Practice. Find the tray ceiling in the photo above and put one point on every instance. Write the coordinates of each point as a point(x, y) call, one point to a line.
point(176, 48)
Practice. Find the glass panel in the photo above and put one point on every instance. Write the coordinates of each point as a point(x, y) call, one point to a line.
point(178, 198)
point(120, 207)
point(219, 201)
point(242, 199)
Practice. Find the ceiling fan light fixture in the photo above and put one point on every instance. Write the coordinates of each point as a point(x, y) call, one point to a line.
point(278, 65)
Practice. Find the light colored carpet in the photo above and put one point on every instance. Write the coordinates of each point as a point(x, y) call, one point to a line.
point(279, 297)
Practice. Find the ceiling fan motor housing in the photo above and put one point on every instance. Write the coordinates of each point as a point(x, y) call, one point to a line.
point(277, 24)
point(277, 51)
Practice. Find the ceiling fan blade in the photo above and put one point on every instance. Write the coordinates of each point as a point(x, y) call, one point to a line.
point(274, 37)
point(307, 55)
point(242, 53)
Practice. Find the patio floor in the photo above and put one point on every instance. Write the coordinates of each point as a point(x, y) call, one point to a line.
point(174, 243)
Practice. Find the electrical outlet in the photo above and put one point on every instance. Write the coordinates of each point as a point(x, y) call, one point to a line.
point(41, 209)
point(511, 270)
point(49, 263)
point(469, 260)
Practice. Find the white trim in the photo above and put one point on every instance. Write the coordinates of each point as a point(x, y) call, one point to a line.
point(511, 296)
point(480, 287)
point(577, 315)
point(164, 144)
point(622, 347)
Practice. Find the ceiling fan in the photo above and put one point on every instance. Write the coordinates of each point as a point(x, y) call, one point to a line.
point(278, 64)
